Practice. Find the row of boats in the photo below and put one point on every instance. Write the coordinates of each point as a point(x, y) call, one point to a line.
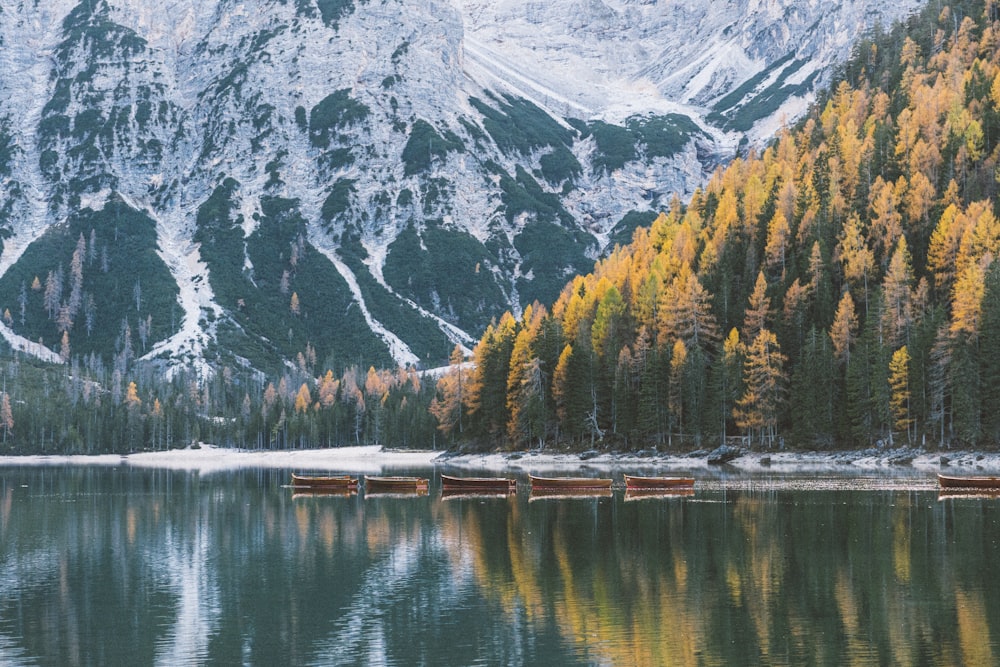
point(557, 486)
point(451, 485)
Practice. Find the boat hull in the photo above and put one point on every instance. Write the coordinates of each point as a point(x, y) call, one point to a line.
point(478, 484)
point(658, 483)
point(320, 483)
point(569, 483)
point(950, 482)
point(396, 484)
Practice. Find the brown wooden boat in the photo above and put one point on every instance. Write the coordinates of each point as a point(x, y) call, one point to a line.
point(658, 483)
point(478, 484)
point(396, 484)
point(569, 483)
point(950, 482)
point(320, 483)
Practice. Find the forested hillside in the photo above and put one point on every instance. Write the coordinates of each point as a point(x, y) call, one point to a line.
point(839, 288)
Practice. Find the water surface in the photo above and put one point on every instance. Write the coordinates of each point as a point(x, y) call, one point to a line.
point(105, 566)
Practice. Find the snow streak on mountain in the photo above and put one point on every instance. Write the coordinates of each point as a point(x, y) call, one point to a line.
point(361, 181)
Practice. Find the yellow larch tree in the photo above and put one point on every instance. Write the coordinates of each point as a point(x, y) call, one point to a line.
point(897, 293)
point(844, 329)
point(303, 399)
point(764, 381)
point(758, 314)
point(449, 404)
point(967, 301)
point(899, 392)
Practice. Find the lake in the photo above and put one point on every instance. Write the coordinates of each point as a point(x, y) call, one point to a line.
point(107, 566)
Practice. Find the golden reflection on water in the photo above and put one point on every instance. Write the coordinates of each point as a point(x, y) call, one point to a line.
point(973, 630)
point(582, 602)
point(756, 574)
point(631, 607)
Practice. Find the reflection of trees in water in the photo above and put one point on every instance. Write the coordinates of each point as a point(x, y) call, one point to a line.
point(147, 566)
point(831, 578)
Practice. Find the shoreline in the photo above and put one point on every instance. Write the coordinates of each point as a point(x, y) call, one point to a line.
point(375, 458)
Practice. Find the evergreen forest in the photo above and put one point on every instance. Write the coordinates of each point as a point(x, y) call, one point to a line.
point(838, 289)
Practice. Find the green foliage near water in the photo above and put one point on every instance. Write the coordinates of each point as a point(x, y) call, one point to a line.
point(86, 407)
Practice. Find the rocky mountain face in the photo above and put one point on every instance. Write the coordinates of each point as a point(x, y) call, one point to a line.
point(360, 181)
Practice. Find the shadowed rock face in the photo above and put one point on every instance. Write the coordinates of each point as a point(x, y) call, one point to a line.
point(407, 170)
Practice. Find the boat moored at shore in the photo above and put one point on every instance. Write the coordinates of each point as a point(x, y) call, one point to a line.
point(320, 483)
point(658, 483)
point(478, 484)
point(972, 482)
point(396, 484)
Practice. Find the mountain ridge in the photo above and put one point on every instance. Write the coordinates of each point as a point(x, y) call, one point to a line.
point(318, 112)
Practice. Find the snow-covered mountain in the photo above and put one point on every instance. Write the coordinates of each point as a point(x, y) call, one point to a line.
point(360, 181)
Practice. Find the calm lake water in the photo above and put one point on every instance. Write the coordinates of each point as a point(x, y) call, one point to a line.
point(108, 566)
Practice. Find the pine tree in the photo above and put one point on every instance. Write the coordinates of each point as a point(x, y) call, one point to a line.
point(6, 416)
point(813, 393)
point(303, 399)
point(967, 302)
point(675, 390)
point(857, 260)
point(844, 329)
point(758, 314)
point(448, 406)
point(764, 381)
point(897, 291)
point(487, 395)
point(899, 386)
point(524, 384)
point(989, 352)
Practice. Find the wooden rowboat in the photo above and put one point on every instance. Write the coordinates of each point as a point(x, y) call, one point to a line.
point(949, 482)
point(396, 484)
point(478, 484)
point(319, 483)
point(569, 483)
point(658, 483)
